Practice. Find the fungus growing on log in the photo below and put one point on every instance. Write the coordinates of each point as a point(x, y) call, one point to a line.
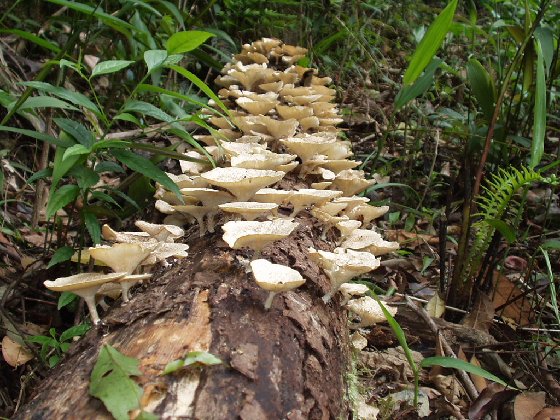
point(275, 278)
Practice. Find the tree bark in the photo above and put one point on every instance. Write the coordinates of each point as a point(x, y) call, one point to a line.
point(288, 362)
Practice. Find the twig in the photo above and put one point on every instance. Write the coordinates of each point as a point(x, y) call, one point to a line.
point(463, 377)
point(148, 131)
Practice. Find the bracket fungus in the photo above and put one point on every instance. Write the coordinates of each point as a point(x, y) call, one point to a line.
point(86, 286)
point(369, 311)
point(341, 267)
point(256, 235)
point(249, 210)
point(369, 240)
point(275, 278)
point(243, 183)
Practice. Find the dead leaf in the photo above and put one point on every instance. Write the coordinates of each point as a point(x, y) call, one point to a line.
point(481, 315)
point(437, 370)
point(506, 291)
point(528, 404)
point(410, 239)
point(548, 414)
point(14, 353)
point(493, 396)
point(516, 263)
point(479, 382)
point(435, 306)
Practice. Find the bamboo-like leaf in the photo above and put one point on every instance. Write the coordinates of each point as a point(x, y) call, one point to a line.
point(109, 66)
point(32, 38)
point(154, 59)
point(482, 87)
point(546, 38)
point(421, 85)
point(148, 109)
point(45, 102)
point(185, 41)
point(39, 136)
point(61, 197)
point(451, 362)
point(75, 98)
point(430, 43)
point(539, 113)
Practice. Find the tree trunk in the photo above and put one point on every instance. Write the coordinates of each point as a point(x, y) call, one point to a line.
point(285, 363)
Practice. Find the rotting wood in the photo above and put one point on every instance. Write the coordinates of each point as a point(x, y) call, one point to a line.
point(288, 362)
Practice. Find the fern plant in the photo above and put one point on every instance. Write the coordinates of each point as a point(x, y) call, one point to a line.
point(496, 203)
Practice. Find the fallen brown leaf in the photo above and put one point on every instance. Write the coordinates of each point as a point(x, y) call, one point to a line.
point(493, 396)
point(528, 404)
point(481, 315)
point(14, 353)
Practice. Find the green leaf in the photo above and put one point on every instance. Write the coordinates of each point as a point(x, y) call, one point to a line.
point(201, 357)
point(482, 86)
point(539, 113)
point(173, 366)
point(546, 38)
point(109, 66)
point(39, 136)
point(145, 167)
point(108, 166)
point(43, 173)
point(61, 197)
point(109, 20)
point(65, 299)
point(60, 166)
point(505, 230)
point(421, 85)
point(201, 85)
point(111, 382)
point(79, 132)
point(148, 109)
point(98, 195)
point(185, 41)
point(75, 331)
point(92, 226)
point(32, 38)
point(86, 177)
point(75, 98)
point(62, 254)
point(154, 58)
point(77, 149)
point(451, 362)
point(45, 102)
point(551, 244)
point(430, 43)
point(125, 116)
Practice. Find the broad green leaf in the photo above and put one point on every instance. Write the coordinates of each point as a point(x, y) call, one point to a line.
point(154, 58)
point(505, 230)
point(185, 41)
point(65, 299)
point(32, 38)
point(551, 244)
point(43, 173)
point(109, 66)
point(482, 86)
point(421, 85)
point(145, 167)
point(60, 166)
point(430, 43)
point(451, 362)
point(148, 109)
point(125, 116)
point(546, 38)
point(85, 177)
point(98, 195)
point(45, 102)
point(111, 382)
point(201, 357)
point(39, 136)
point(61, 197)
point(107, 166)
point(111, 21)
point(201, 85)
point(75, 98)
point(111, 144)
point(92, 226)
point(80, 133)
point(77, 149)
point(173, 366)
point(75, 331)
point(539, 113)
point(62, 254)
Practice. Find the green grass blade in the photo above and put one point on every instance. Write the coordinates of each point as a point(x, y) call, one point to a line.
point(32, 38)
point(539, 117)
point(451, 362)
point(430, 43)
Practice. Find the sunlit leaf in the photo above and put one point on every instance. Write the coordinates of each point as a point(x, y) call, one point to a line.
point(185, 41)
point(109, 66)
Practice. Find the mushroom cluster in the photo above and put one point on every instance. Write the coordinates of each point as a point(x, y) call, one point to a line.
point(281, 133)
point(130, 253)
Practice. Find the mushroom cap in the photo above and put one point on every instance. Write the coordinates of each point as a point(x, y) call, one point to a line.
point(234, 148)
point(307, 147)
point(207, 196)
point(321, 185)
point(279, 129)
point(122, 257)
point(243, 183)
point(163, 207)
point(249, 210)
point(287, 112)
point(351, 202)
point(128, 237)
point(369, 311)
point(162, 233)
point(308, 196)
point(265, 160)
point(256, 107)
point(166, 250)
point(359, 342)
point(346, 227)
point(82, 281)
point(353, 289)
point(370, 240)
point(275, 277)
point(256, 235)
point(367, 212)
point(352, 182)
point(271, 195)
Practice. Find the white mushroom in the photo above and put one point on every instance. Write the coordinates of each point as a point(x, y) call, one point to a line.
point(275, 278)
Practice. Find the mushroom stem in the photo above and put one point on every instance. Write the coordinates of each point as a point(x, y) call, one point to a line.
point(90, 302)
point(125, 287)
point(268, 302)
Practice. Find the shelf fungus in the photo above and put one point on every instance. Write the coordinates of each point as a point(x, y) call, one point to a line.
point(256, 235)
point(86, 286)
point(275, 278)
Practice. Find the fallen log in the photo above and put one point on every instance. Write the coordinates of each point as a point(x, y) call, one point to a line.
point(288, 362)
